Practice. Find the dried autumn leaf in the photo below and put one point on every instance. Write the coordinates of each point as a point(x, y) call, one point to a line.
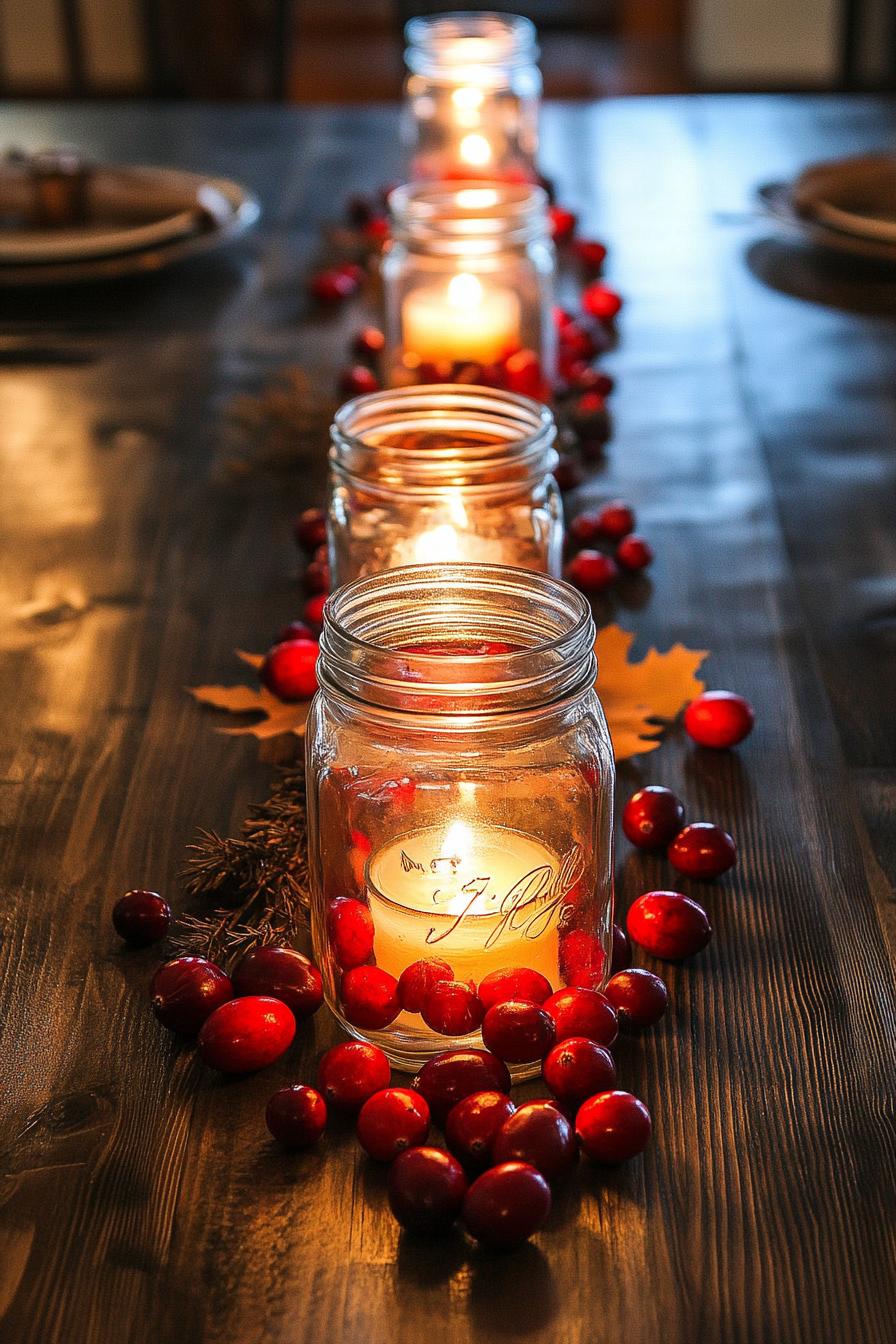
point(277, 716)
point(637, 694)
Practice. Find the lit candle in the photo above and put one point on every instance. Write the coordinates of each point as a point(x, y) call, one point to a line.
point(480, 897)
point(463, 321)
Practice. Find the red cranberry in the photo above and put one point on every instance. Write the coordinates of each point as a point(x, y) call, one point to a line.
point(313, 611)
point(592, 571)
point(563, 223)
point(350, 930)
point(622, 950)
point(599, 301)
point(562, 318)
point(351, 1072)
point(719, 719)
point(295, 630)
point(702, 850)
point(567, 473)
point(595, 380)
point(577, 341)
point(590, 417)
point(376, 230)
point(472, 1124)
point(289, 670)
point(634, 554)
point(506, 1205)
point(246, 1034)
point(296, 1116)
point(416, 981)
point(284, 974)
point(584, 528)
point(187, 990)
point(613, 1126)
point(518, 1032)
point(358, 381)
point(316, 578)
point(391, 1121)
point(514, 982)
point(310, 529)
point(332, 285)
point(616, 520)
point(577, 1068)
point(583, 1012)
point(141, 917)
point(369, 997)
point(652, 817)
point(639, 997)
point(668, 925)
point(581, 953)
point(523, 373)
point(447, 1078)
point(426, 1190)
point(540, 1134)
point(452, 1008)
point(590, 253)
point(369, 341)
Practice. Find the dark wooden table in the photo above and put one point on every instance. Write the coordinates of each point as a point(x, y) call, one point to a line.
point(755, 419)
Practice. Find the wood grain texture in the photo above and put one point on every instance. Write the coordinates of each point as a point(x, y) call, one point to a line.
point(141, 1200)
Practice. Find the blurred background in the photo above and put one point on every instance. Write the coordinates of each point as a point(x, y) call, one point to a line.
point(339, 50)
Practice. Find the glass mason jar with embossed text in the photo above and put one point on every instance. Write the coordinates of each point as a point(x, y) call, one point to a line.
point(472, 96)
point(468, 281)
point(460, 801)
point(440, 474)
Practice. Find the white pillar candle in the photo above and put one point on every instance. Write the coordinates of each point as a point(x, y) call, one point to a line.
point(463, 321)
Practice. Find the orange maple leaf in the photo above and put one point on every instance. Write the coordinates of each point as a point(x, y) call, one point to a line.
point(640, 698)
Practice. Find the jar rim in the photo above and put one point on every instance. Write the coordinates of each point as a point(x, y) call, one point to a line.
point(376, 629)
point(436, 42)
point(470, 216)
point(520, 447)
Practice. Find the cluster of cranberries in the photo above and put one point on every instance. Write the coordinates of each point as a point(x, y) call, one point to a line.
point(654, 819)
point(289, 667)
point(610, 547)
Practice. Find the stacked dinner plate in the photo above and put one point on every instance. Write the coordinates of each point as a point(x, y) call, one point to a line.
point(848, 205)
point(63, 221)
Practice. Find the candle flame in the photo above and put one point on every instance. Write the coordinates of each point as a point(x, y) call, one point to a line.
point(437, 546)
point(475, 150)
point(458, 842)
point(466, 99)
point(464, 291)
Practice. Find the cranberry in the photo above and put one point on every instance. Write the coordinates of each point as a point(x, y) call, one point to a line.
point(358, 381)
point(594, 380)
point(581, 954)
point(599, 301)
point(578, 1011)
point(622, 950)
point(369, 997)
point(506, 1205)
point(702, 850)
point(518, 1032)
point(567, 473)
point(447, 1078)
point(246, 1034)
point(514, 982)
point(296, 1116)
point(310, 529)
point(577, 1068)
point(332, 285)
point(616, 520)
point(350, 930)
point(719, 719)
point(426, 1189)
point(563, 223)
point(668, 925)
point(576, 340)
point(452, 1007)
point(376, 230)
point(351, 1072)
point(523, 373)
point(284, 974)
point(316, 578)
point(639, 997)
point(369, 341)
point(613, 1127)
point(538, 1133)
point(313, 610)
point(652, 817)
point(590, 417)
point(472, 1124)
point(295, 630)
point(289, 670)
point(141, 917)
point(592, 571)
point(590, 253)
point(187, 990)
point(634, 554)
point(584, 528)
point(418, 979)
point(563, 318)
point(391, 1121)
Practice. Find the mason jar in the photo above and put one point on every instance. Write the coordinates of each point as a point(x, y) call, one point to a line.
point(468, 283)
point(472, 96)
point(423, 475)
point(460, 799)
